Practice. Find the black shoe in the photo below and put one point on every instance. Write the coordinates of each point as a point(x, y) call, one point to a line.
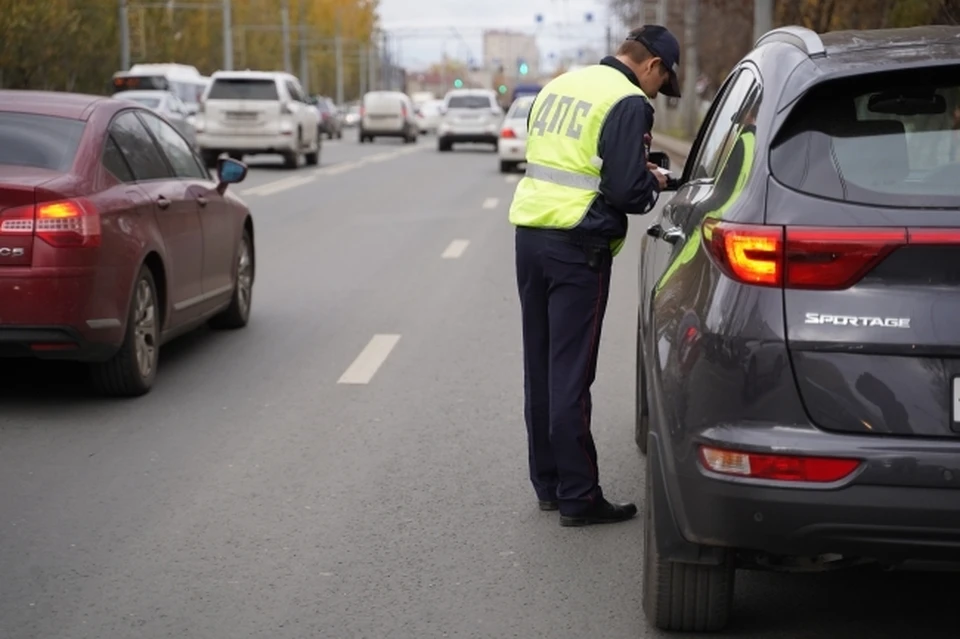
point(602, 512)
point(549, 505)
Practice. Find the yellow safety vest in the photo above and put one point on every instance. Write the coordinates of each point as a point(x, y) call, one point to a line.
point(749, 140)
point(563, 169)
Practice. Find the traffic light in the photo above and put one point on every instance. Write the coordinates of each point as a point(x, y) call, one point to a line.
point(458, 83)
point(502, 89)
point(524, 68)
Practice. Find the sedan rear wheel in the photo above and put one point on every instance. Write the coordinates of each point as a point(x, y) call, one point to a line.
point(131, 371)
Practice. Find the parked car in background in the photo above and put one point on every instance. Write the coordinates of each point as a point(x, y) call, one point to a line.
point(512, 147)
point(469, 115)
point(429, 114)
point(114, 238)
point(167, 104)
point(798, 372)
point(258, 112)
point(331, 121)
point(388, 114)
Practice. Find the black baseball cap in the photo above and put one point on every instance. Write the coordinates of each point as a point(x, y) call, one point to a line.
point(662, 44)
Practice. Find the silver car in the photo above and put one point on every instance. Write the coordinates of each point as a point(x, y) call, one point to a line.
point(166, 104)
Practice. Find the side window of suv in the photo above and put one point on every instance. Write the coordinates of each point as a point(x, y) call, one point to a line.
point(725, 126)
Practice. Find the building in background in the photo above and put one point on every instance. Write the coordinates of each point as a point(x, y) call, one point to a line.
point(515, 51)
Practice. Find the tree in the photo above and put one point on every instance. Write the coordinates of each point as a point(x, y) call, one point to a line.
point(74, 45)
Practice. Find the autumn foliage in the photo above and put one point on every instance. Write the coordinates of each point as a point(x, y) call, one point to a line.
point(74, 45)
point(726, 26)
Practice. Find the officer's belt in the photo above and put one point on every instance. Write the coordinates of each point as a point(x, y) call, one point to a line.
point(572, 236)
point(562, 177)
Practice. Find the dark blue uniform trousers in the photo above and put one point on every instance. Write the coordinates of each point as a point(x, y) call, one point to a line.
point(563, 299)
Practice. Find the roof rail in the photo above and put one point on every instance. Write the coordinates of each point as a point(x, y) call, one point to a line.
point(803, 38)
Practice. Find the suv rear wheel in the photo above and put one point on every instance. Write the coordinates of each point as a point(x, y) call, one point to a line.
point(131, 371)
point(682, 597)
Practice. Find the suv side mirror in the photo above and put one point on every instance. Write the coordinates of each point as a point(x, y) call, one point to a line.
point(229, 171)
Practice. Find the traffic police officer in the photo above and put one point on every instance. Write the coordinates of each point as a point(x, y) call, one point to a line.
point(586, 170)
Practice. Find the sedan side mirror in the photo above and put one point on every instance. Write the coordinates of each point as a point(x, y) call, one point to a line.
point(229, 171)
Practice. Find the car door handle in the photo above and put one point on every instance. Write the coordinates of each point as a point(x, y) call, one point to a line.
point(202, 201)
point(655, 230)
point(163, 202)
point(673, 235)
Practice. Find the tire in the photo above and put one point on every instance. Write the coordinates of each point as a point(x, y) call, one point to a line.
point(641, 406)
point(312, 158)
point(443, 146)
point(132, 369)
point(340, 134)
point(507, 167)
point(291, 160)
point(237, 315)
point(683, 597)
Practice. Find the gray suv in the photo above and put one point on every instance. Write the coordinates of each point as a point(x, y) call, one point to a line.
point(798, 342)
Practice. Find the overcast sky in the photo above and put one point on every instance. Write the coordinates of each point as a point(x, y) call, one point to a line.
point(424, 28)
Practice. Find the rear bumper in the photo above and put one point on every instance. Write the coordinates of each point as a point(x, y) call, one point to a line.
point(512, 150)
point(902, 504)
point(273, 143)
point(64, 314)
point(52, 343)
point(479, 138)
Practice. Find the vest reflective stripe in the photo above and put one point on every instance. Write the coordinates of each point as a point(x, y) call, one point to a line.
point(563, 170)
point(563, 178)
point(749, 141)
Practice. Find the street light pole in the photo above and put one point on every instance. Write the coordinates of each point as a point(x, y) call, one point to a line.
point(227, 36)
point(338, 44)
point(124, 35)
point(762, 17)
point(285, 21)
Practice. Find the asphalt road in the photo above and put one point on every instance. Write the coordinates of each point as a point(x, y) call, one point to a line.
point(252, 494)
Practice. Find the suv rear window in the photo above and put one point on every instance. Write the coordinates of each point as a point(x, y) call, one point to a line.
point(243, 89)
point(469, 102)
point(42, 141)
point(887, 139)
point(521, 110)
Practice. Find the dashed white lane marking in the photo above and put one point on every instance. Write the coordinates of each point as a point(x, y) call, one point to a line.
point(455, 249)
point(512, 179)
point(490, 203)
point(370, 359)
point(336, 169)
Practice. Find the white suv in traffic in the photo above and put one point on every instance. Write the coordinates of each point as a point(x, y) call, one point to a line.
point(469, 115)
point(257, 112)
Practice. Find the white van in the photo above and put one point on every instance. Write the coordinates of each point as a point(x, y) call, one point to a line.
point(388, 114)
point(254, 112)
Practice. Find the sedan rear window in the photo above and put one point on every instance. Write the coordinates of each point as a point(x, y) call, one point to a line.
point(42, 141)
point(469, 102)
point(243, 89)
point(890, 139)
point(520, 110)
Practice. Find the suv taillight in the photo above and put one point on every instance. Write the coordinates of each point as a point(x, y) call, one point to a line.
point(403, 110)
point(62, 224)
point(803, 257)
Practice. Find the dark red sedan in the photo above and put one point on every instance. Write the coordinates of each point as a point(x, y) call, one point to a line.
point(113, 237)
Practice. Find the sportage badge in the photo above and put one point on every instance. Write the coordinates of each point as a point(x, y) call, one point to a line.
point(858, 321)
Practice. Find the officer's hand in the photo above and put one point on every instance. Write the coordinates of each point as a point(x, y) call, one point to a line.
point(661, 178)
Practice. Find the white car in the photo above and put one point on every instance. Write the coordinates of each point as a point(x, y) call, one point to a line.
point(512, 147)
point(429, 114)
point(388, 114)
point(257, 112)
point(469, 115)
point(167, 104)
